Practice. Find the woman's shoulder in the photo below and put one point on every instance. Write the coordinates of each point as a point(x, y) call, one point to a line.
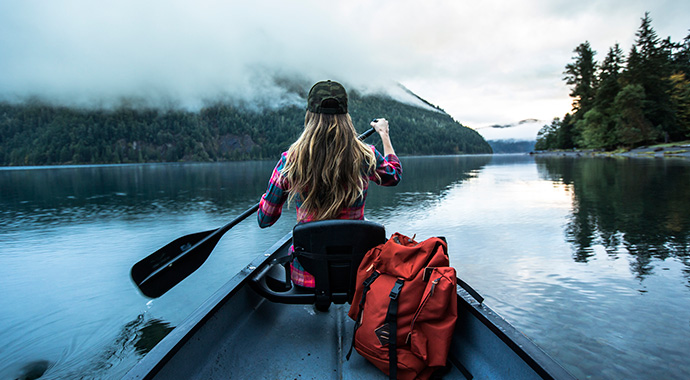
point(379, 157)
point(376, 151)
point(281, 161)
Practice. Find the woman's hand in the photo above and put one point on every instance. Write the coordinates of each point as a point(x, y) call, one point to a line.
point(381, 126)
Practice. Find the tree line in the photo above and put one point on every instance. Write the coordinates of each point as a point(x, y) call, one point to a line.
point(38, 133)
point(625, 101)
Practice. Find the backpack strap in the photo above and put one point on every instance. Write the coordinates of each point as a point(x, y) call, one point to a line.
point(392, 321)
point(367, 285)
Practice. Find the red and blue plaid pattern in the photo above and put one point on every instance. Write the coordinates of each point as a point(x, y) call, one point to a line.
point(389, 173)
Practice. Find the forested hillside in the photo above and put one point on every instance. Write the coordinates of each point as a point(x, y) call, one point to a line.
point(624, 102)
point(36, 133)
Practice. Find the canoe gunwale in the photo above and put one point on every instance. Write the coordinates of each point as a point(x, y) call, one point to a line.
point(166, 349)
point(537, 359)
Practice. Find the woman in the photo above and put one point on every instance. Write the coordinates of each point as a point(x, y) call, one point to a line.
point(328, 169)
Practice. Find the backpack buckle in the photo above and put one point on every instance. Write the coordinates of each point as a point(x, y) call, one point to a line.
point(395, 292)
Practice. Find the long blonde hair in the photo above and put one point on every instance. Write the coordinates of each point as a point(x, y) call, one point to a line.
point(327, 165)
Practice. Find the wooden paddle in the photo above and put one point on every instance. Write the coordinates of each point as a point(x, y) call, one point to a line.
point(162, 270)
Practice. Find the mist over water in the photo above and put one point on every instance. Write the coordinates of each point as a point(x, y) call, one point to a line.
point(589, 258)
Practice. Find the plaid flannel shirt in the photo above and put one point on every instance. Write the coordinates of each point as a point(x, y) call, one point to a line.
point(389, 173)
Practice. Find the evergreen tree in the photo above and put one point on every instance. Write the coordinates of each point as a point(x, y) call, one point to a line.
point(581, 75)
point(567, 135)
point(609, 79)
point(681, 57)
point(643, 102)
point(548, 135)
point(634, 69)
point(632, 127)
point(597, 130)
point(649, 66)
point(680, 86)
point(680, 102)
point(598, 125)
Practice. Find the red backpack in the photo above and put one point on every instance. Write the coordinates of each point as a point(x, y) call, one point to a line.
point(405, 290)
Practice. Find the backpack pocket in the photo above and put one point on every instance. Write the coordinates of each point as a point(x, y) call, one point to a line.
point(435, 318)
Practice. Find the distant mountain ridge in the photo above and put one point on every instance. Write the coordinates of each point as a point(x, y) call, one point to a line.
point(512, 146)
point(517, 137)
point(38, 133)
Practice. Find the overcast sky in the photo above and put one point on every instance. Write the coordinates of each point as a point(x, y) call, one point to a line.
point(485, 62)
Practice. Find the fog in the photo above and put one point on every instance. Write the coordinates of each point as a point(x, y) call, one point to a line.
point(180, 54)
point(485, 63)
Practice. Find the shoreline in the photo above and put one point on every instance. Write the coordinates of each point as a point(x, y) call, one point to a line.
point(670, 150)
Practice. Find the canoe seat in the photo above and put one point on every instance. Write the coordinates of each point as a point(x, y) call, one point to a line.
point(331, 250)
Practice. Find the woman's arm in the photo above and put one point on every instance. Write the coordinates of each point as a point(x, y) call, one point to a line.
point(381, 126)
point(271, 204)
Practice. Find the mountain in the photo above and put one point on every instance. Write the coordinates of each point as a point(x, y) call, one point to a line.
point(39, 133)
point(511, 146)
point(518, 137)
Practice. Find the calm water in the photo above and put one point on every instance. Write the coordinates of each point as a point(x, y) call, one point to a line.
point(588, 257)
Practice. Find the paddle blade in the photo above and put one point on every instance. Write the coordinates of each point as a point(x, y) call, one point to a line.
point(168, 266)
point(154, 275)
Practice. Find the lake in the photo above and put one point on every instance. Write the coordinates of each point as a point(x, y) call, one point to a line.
point(589, 257)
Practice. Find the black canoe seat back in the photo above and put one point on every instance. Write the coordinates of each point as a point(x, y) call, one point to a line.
point(331, 250)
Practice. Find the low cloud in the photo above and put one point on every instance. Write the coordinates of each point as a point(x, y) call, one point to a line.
point(483, 62)
point(177, 53)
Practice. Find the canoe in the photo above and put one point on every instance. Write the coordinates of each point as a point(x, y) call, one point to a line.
point(238, 333)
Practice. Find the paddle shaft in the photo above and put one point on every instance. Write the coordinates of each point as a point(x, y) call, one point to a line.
point(203, 246)
point(168, 266)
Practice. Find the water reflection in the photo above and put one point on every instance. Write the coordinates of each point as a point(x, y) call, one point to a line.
point(46, 196)
point(426, 180)
point(53, 195)
point(69, 236)
point(142, 334)
point(78, 230)
point(33, 370)
point(135, 339)
point(150, 334)
point(632, 207)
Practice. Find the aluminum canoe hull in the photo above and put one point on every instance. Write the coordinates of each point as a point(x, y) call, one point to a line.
point(236, 333)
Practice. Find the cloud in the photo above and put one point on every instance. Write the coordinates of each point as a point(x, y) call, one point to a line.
point(488, 62)
point(82, 50)
point(525, 130)
point(504, 61)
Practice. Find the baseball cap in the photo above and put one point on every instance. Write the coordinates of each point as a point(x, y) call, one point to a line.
point(327, 97)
